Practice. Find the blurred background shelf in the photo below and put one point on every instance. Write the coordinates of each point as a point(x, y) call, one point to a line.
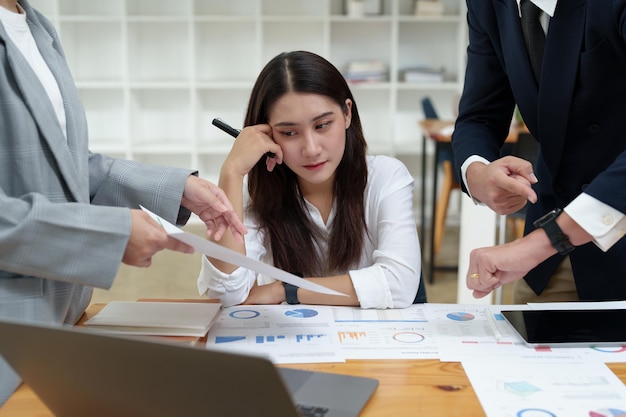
point(154, 73)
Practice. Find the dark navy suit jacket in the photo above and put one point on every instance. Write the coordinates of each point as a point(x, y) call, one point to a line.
point(577, 113)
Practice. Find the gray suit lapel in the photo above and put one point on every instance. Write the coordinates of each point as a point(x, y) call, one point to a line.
point(76, 124)
point(42, 112)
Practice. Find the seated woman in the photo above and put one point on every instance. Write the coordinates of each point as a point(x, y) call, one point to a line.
point(316, 204)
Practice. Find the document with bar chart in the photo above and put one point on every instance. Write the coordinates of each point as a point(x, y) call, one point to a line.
point(307, 334)
point(385, 334)
point(283, 333)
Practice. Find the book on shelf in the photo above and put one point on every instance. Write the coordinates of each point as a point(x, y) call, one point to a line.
point(156, 318)
point(429, 8)
point(360, 8)
point(423, 75)
point(366, 71)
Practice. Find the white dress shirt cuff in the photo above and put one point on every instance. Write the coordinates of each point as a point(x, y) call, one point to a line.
point(230, 289)
point(466, 164)
point(601, 221)
point(372, 290)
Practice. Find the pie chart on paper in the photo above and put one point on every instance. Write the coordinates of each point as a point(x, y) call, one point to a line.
point(608, 412)
point(301, 313)
point(460, 316)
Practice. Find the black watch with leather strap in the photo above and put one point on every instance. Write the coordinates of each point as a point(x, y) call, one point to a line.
point(559, 240)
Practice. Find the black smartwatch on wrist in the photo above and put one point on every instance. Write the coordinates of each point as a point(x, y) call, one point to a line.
point(559, 240)
point(291, 293)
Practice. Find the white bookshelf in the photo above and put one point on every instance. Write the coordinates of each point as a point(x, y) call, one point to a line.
point(154, 73)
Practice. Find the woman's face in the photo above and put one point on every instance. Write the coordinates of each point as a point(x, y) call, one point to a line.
point(311, 130)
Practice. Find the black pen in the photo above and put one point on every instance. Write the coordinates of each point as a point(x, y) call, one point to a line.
point(226, 127)
point(233, 132)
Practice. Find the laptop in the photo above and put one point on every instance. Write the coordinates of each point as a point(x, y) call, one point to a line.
point(78, 372)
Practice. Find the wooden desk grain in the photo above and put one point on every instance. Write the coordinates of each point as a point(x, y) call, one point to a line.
point(407, 388)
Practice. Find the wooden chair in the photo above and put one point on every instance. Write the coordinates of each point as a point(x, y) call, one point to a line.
point(449, 183)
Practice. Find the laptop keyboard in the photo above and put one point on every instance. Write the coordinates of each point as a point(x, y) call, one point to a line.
point(311, 410)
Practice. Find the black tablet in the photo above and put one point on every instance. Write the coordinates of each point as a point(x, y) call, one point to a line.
point(569, 328)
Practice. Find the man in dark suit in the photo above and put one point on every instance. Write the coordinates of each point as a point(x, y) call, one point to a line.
point(571, 92)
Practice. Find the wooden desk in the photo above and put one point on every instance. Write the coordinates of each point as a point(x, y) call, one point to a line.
point(439, 132)
point(407, 388)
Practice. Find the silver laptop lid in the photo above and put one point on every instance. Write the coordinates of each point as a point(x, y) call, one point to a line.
point(78, 373)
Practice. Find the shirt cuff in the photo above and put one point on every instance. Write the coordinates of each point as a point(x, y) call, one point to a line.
point(372, 290)
point(230, 289)
point(466, 164)
point(604, 223)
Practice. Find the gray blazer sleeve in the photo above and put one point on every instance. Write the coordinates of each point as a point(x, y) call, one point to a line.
point(64, 211)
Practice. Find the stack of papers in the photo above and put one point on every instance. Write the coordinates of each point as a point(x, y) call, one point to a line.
point(156, 318)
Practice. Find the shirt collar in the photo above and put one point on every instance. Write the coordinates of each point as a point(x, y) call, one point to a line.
point(547, 6)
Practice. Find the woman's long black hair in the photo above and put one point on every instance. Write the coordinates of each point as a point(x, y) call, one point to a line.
point(275, 199)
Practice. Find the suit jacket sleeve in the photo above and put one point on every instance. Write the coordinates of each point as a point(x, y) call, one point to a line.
point(115, 182)
point(487, 102)
point(84, 243)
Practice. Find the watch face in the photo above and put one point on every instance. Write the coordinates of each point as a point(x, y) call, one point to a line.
point(550, 216)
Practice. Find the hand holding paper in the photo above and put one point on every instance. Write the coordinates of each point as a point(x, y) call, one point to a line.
point(214, 250)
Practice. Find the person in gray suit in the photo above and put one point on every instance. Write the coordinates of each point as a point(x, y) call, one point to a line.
point(68, 217)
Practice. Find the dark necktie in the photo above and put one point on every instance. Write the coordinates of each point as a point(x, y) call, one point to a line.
point(533, 34)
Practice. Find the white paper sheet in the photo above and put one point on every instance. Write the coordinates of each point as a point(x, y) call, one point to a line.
point(385, 334)
point(530, 388)
point(282, 333)
point(303, 333)
point(578, 305)
point(214, 250)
